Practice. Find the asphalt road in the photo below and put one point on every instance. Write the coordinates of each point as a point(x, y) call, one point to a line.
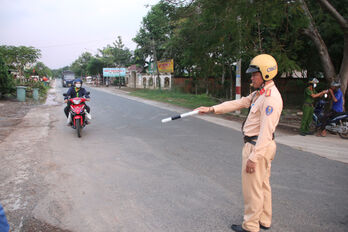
point(129, 172)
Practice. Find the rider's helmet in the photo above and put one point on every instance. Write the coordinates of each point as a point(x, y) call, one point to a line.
point(78, 81)
point(313, 81)
point(265, 64)
point(335, 84)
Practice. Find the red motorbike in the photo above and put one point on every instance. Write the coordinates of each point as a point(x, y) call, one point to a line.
point(77, 114)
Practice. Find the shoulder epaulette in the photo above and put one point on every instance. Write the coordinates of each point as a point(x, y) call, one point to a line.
point(268, 93)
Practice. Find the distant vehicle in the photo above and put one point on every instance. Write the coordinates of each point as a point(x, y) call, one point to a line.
point(89, 80)
point(68, 78)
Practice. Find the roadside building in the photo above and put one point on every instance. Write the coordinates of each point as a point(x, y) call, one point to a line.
point(135, 78)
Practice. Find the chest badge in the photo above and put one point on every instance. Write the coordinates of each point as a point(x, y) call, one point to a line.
point(269, 110)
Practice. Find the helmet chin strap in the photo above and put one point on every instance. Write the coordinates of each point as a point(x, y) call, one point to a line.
point(261, 86)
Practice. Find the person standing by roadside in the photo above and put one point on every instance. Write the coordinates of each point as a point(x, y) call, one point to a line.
point(265, 107)
point(4, 226)
point(336, 96)
point(308, 108)
point(337, 105)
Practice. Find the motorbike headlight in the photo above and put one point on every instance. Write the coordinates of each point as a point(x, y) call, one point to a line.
point(77, 101)
point(64, 82)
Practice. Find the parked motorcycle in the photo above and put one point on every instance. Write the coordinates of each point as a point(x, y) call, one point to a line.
point(78, 114)
point(337, 124)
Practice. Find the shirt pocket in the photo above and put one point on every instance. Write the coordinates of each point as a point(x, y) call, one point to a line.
point(255, 108)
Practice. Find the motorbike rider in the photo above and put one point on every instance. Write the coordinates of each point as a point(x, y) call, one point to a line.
point(336, 96)
point(308, 108)
point(76, 91)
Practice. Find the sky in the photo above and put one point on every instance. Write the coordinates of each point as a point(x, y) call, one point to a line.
point(64, 29)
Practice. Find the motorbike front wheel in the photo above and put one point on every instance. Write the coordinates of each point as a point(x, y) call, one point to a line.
point(78, 127)
point(344, 124)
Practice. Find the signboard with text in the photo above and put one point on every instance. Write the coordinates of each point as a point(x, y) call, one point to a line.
point(114, 72)
point(166, 66)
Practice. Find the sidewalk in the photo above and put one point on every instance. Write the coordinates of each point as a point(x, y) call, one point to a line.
point(11, 114)
point(331, 146)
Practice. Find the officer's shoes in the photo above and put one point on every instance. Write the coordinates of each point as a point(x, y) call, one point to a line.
point(264, 227)
point(303, 133)
point(238, 228)
point(309, 133)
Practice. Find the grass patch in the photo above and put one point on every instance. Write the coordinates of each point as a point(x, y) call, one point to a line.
point(176, 98)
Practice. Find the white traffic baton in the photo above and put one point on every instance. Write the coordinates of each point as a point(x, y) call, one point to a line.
point(180, 116)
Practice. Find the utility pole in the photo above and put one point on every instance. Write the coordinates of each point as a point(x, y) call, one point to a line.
point(239, 64)
point(155, 60)
point(238, 79)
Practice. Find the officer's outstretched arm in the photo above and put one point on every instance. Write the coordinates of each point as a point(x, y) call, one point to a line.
point(234, 105)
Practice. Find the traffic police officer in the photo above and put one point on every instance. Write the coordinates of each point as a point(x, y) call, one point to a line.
point(265, 107)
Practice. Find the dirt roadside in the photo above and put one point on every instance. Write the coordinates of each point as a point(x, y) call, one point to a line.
point(23, 161)
point(11, 114)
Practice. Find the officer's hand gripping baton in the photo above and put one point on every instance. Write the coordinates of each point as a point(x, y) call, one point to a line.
point(180, 116)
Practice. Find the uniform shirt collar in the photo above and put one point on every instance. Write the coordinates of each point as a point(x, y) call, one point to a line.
point(266, 87)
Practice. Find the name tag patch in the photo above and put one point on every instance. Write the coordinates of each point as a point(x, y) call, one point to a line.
point(269, 110)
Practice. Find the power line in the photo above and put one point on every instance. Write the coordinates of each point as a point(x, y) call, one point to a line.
point(72, 44)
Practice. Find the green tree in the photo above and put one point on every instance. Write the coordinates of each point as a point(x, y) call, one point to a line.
point(6, 82)
point(40, 69)
point(155, 33)
point(95, 66)
point(19, 57)
point(224, 31)
point(79, 66)
point(333, 28)
point(116, 55)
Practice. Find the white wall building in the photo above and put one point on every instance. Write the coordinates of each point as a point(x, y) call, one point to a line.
point(135, 79)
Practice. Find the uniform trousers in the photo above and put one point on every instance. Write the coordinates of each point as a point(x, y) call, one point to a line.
point(257, 189)
point(306, 118)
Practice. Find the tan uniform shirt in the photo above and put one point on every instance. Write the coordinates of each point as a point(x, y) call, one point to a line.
point(266, 107)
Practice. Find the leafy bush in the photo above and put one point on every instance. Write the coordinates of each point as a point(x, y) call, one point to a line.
point(6, 81)
point(35, 84)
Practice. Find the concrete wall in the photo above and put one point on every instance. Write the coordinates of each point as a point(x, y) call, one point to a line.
point(148, 81)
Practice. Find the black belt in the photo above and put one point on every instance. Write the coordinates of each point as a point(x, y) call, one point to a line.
point(251, 139)
point(308, 104)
